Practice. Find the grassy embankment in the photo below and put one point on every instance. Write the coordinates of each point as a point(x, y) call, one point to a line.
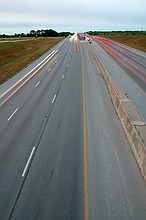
point(138, 42)
point(16, 56)
point(16, 38)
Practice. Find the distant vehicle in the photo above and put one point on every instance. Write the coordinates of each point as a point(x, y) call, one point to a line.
point(89, 40)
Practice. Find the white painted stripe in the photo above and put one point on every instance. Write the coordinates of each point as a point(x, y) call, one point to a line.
point(62, 76)
point(67, 66)
point(53, 99)
point(13, 114)
point(49, 69)
point(125, 100)
point(27, 164)
point(37, 84)
point(48, 59)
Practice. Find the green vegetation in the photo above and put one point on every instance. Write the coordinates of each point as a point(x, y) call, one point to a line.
point(17, 55)
point(38, 33)
point(117, 33)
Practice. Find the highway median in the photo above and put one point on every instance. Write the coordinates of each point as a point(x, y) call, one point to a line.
point(131, 120)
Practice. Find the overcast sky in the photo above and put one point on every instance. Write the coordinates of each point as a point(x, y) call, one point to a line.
point(17, 16)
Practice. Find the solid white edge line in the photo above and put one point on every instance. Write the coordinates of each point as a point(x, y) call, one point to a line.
point(33, 73)
point(53, 99)
point(13, 114)
point(15, 84)
point(47, 60)
point(37, 84)
point(27, 164)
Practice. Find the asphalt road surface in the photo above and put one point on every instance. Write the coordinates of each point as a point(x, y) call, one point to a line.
point(63, 152)
point(127, 66)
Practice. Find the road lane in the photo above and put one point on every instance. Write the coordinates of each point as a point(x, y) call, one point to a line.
point(35, 70)
point(115, 188)
point(131, 53)
point(61, 45)
point(45, 76)
point(136, 70)
point(132, 60)
point(21, 133)
point(8, 93)
point(120, 75)
point(57, 166)
point(64, 154)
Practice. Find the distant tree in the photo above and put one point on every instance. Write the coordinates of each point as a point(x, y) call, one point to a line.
point(116, 33)
point(28, 35)
point(38, 33)
point(64, 34)
point(22, 35)
point(32, 33)
point(4, 36)
point(17, 35)
point(50, 33)
point(42, 32)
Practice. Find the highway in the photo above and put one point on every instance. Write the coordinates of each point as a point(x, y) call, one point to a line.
point(127, 66)
point(63, 151)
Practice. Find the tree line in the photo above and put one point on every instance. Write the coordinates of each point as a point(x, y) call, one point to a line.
point(39, 33)
point(116, 33)
point(53, 33)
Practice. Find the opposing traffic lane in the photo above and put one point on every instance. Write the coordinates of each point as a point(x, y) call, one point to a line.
point(132, 62)
point(120, 75)
point(115, 188)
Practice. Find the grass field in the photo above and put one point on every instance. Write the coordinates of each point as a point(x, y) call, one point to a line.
point(138, 42)
point(16, 38)
point(17, 55)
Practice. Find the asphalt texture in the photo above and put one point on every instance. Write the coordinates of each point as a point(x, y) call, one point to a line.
point(127, 66)
point(63, 152)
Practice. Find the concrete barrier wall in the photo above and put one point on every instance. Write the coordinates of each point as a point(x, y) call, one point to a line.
point(136, 143)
